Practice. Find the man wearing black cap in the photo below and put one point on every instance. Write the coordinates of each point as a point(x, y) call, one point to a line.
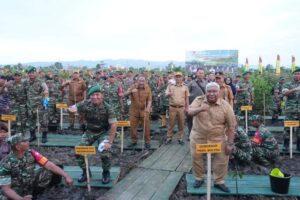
point(291, 91)
point(18, 100)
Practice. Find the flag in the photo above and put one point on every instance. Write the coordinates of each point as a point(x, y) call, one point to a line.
point(260, 66)
point(293, 67)
point(247, 65)
point(278, 65)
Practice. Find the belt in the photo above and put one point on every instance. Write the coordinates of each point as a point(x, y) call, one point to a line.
point(176, 106)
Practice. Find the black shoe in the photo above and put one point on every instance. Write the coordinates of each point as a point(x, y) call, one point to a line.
point(180, 142)
point(286, 144)
point(147, 146)
point(168, 141)
point(105, 176)
point(222, 187)
point(197, 183)
point(44, 137)
point(83, 177)
point(132, 145)
point(32, 136)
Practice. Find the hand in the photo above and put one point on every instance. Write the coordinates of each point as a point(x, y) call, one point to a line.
point(27, 197)
point(69, 180)
point(228, 149)
point(204, 107)
point(122, 110)
point(72, 109)
point(186, 109)
point(107, 146)
point(134, 90)
point(147, 110)
point(297, 88)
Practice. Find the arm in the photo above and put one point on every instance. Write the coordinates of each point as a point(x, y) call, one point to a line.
point(113, 129)
point(57, 170)
point(195, 110)
point(11, 194)
point(187, 102)
point(149, 101)
point(287, 92)
point(45, 89)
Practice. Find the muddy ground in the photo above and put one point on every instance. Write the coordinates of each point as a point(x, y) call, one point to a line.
point(131, 158)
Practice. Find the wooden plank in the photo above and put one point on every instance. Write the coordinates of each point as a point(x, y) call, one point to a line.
point(295, 151)
point(167, 156)
point(75, 172)
point(186, 163)
point(167, 187)
point(150, 161)
point(152, 185)
point(125, 183)
point(137, 185)
point(176, 158)
point(154, 145)
point(248, 185)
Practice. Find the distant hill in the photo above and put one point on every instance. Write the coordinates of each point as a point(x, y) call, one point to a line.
point(106, 63)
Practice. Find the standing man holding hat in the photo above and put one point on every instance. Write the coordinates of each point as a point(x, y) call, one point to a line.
point(18, 177)
point(291, 91)
point(178, 94)
point(99, 117)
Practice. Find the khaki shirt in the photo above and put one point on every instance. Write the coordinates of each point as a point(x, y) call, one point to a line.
point(226, 93)
point(77, 89)
point(139, 98)
point(181, 92)
point(212, 123)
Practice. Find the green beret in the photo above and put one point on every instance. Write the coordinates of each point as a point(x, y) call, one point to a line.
point(297, 70)
point(255, 117)
point(31, 69)
point(17, 138)
point(95, 88)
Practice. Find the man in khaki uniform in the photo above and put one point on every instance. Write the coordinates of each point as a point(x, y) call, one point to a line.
point(141, 98)
point(225, 90)
point(178, 106)
point(214, 122)
point(77, 89)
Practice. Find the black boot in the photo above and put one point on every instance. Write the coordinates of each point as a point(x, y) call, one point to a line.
point(83, 177)
point(44, 137)
point(32, 136)
point(286, 143)
point(105, 176)
point(298, 144)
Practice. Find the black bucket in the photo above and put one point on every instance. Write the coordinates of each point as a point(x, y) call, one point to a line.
point(280, 184)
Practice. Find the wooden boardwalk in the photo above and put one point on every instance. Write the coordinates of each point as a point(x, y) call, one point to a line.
point(157, 176)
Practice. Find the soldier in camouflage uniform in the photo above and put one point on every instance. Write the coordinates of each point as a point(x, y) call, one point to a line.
point(275, 109)
point(18, 100)
point(99, 116)
point(152, 82)
point(245, 93)
point(4, 96)
point(36, 92)
point(242, 149)
point(18, 178)
point(163, 100)
point(55, 96)
point(113, 96)
point(96, 80)
point(264, 145)
point(291, 91)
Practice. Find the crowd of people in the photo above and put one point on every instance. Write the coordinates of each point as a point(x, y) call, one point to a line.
point(208, 103)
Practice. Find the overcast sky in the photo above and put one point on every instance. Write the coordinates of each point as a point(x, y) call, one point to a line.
point(57, 30)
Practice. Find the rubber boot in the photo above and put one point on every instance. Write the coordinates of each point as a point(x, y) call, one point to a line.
point(32, 136)
point(286, 143)
point(83, 177)
point(163, 121)
point(105, 176)
point(44, 137)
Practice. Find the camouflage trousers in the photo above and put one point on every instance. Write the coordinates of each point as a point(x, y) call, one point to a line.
point(20, 125)
point(242, 155)
point(264, 155)
point(291, 116)
point(53, 113)
point(42, 116)
point(43, 179)
point(88, 139)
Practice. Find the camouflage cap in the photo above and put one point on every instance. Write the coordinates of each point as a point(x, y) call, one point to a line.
point(95, 88)
point(17, 138)
point(255, 118)
point(17, 73)
point(281, 78)
point(246, 72)
point(31, 69)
